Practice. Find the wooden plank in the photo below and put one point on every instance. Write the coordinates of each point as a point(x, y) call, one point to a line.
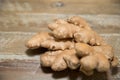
point(32, 71)
point(16, 62)
point(27, 69)
point(71, 1)
point(66, 6)
point(14, 42)
point(35, 22)
point(22, 18)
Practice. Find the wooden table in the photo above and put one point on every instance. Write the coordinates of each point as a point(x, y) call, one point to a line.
point(20, 19)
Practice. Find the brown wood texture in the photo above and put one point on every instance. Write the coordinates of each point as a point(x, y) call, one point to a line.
point(62, 6)
point(20, 19)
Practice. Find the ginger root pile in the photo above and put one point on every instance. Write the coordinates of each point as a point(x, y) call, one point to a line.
point(73, 44)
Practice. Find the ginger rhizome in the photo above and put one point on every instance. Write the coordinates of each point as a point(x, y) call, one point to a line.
point(98, 57)
point(46, 40)
point(60, 60)
point(73, 44)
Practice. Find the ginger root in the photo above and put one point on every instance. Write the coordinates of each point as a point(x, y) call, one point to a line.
point(73, 44)
point(79, 21)
point(60, 60)
point(98, 57)
point(89, 37)
point(83, 49)
point(97, 61)
point(57, 45)
point(62, 29)
point(37, 39)
point(46, 40)
point(114, 62)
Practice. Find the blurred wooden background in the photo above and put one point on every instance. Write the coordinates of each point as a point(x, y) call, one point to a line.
point(20, 19)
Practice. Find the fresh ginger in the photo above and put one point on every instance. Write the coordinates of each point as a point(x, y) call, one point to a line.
point(79, 21)
point(62, 29)
point(46, 40)
point(55, 25)
point(73, 44)
point(85, 49)
point(89, 37)
point(60, 60)
point(95, 57)
point(57, 45)
point(37, 39)
point(97, 61)
point(114, 61)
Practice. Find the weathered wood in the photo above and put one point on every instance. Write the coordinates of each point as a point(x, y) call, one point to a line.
point(29, 70)
point(14, 42)
point(35, 22)
point(20, 19)
point(66, 6)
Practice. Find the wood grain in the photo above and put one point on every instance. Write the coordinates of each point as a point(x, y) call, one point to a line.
point(16, 59)
point(30, 70)
point(14, 42)
point(62, 6)
point(35, 22)
point(20, 19)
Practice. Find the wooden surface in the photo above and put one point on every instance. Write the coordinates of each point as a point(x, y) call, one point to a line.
point(62, 6)
point(20, 19)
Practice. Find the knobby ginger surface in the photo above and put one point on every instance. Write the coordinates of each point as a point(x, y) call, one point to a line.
point(73, 44)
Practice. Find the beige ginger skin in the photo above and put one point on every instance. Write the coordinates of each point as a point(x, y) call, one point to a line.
point(62, 29)
point(95, 57)
point(60, 60)
point(46, 40)
point(57, 45)
point(97, 61)
point(73, 44)
point(79, 21)
point(37, 39)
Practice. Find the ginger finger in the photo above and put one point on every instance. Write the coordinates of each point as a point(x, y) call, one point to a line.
point(88, 64)
point(46, 40)
point(48, 58)
point(79, 21)
point(89, 37)
point(37, 39)
point(83, 49)
point(59, 64)
point(107, 50)
point(97, 61)
point(61, 59)
point(72, 60)
point(55, 25)
point(114, 62)
point(63, 30)
point(103, 63)
point(57, 44)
